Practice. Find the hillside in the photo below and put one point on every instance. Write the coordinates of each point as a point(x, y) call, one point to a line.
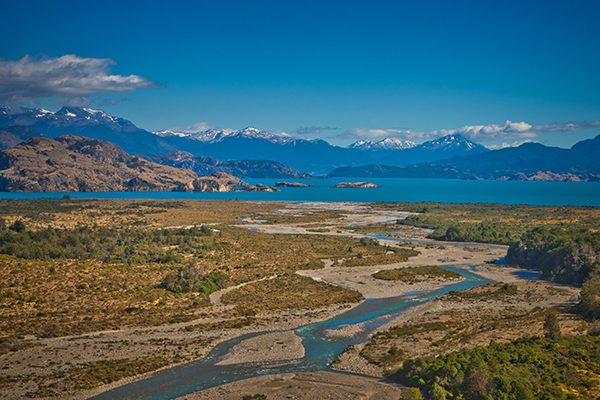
point(78, 164)
point(205, 166)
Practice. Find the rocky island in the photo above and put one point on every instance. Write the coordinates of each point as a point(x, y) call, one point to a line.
point(293, 184)
point(357, 185)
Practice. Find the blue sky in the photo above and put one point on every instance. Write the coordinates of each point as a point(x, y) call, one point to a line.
point(338, 70)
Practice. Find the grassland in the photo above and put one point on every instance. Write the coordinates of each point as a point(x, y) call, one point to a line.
point(416, 274)
point(289, 291)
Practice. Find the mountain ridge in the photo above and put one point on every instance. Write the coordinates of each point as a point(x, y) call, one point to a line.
point(75, 164)
point(530, 161)
point(451, 156)
point(205, 166)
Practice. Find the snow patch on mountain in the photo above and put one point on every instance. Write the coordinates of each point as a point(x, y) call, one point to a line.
point(385, 144)
point(452, 142)
point(218, 135)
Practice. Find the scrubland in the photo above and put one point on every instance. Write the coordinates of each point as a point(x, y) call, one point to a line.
point(96, 291)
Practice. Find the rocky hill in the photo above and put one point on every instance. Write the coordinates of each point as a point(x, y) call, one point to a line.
point(205, 166)
point(79, 164)
point(222, 182)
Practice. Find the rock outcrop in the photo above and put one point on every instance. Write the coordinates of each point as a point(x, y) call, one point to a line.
point(222, 182)
point(293, 184)
point(357, 185)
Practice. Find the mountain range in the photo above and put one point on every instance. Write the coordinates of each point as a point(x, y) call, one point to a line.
point(310, 156)
point(266, 154)
point(205, 166)
point(530, 161)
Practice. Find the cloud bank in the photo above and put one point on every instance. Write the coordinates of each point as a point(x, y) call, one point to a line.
point(314, 130)
point(71, 78)
point(476, 133)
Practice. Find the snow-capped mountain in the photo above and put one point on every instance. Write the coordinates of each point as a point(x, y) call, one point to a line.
point(385, 144)
point(452, 142)
point(445, 147)
point(95, 124)
point(42, 120)
point(218, 135)
point(315, 156)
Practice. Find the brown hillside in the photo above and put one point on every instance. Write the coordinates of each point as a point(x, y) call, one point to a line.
point(78, 164)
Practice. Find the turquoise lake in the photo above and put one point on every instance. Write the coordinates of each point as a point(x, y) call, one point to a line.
point(410, 190)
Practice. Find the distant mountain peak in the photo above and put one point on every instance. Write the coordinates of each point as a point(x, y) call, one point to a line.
point(384, 144)
point(217, 135)
point(453, 142)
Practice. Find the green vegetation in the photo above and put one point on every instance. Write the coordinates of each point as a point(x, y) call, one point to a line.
point(33, 208)
point(590, 297)
point(416, 274)
point(563, 255)
point(481, 232)
point(529, 368)
point(491, 223)
point(189, 279)
point(411, 394)
point(104, 244)
point(491, 291)
point(409, 330)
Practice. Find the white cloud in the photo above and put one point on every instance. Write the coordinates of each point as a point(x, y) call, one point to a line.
point(377, 134)
point(67, 77)
point(505, 145)
point(314, 130)
point(199, 127)
point(476, 133)
point(569, 126)
point(482, 133)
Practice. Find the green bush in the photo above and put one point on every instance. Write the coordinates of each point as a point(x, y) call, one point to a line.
point(189, 279)
point(563, 255)
point(527, 368)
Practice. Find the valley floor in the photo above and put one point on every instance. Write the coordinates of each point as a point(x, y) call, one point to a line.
point(365, 365)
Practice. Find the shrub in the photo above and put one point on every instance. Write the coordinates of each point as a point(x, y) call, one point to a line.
point(190, 280)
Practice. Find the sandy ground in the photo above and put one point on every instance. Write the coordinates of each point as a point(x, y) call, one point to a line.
point(276, 346)
point(308, 385)
point(54, 355)
point(361, 279)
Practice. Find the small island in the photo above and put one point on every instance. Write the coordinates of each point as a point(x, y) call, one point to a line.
point(357, 185)
point(293, 184)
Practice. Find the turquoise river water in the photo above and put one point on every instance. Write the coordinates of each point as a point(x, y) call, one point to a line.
point(320, 351)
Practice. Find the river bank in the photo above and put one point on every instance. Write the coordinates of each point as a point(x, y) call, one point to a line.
point(275, 339)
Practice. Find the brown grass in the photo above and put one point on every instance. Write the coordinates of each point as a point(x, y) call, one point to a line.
point(289, 291)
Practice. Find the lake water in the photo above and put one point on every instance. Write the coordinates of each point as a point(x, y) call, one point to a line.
point(406, 190)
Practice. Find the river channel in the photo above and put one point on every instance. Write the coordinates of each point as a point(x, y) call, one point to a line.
point(320, 350)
